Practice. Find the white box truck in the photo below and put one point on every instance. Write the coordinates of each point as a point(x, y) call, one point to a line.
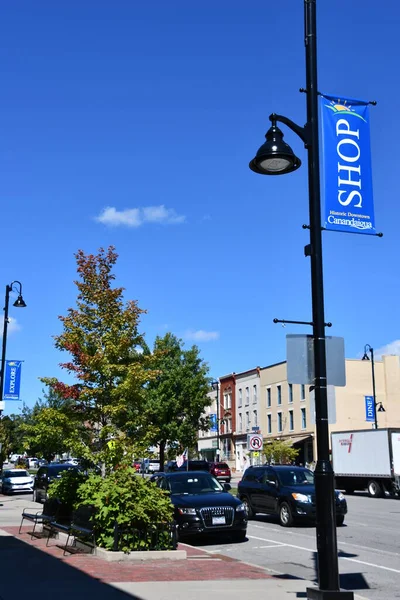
point(367, 459)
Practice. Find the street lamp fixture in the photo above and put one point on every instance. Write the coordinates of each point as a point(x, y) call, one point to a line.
point(19, 303)
point(215, 387)
point(275, 157)
point(368, 348)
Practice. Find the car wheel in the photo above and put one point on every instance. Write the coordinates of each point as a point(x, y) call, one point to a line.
point(339, 520)
point(374, 489)
point(285, 515)
point(249, 510)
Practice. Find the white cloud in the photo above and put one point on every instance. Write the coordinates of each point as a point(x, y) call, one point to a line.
point(135, 217)
point(13, 325)
point(391, 348)
point(201, 336)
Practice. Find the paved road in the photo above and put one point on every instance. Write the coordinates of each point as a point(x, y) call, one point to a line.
point(368, 544)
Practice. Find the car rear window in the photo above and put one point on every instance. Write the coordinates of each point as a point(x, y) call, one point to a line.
point(56, 470)
point(221, 466)
point(19, 473)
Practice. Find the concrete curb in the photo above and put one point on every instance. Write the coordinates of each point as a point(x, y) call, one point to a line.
point(141, 555)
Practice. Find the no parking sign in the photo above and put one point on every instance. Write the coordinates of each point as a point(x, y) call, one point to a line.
point(254, 442)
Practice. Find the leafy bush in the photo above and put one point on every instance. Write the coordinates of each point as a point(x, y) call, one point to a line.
point(130, 501)
point(66, 488)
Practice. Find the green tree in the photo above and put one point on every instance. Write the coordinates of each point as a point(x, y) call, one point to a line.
point(51, 432)
point(279, 451)
point(176, 398)
point(107, 359)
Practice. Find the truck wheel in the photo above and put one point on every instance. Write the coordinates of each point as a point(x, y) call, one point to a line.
point(374, 489)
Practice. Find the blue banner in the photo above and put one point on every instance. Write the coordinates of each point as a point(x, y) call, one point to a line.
point(369, 409)
point(213, 421)
point(12, 380)
point(346, 165)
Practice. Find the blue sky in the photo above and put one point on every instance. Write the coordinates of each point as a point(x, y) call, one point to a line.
point(132, 123)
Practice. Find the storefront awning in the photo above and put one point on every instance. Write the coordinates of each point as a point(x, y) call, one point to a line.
point(299, 439)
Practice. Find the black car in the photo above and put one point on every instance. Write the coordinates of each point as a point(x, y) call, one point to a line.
point(45, 476)
point(203, 505)
point(285, 491)
point(195, 465)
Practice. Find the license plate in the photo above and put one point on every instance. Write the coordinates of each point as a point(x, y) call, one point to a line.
point(218, 521)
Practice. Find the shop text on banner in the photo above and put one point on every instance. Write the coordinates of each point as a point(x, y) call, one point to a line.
point(346, 165)
point(12, 380)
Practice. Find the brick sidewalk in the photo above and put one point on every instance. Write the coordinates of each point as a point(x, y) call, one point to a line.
point(199, 565)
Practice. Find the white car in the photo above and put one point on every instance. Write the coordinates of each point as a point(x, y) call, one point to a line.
point(16, 480)
point(150, 465)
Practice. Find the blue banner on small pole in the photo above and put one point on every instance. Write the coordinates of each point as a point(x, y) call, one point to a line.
point(346, 165)
point(369, 409)
point(213, 422)
point(12, 380)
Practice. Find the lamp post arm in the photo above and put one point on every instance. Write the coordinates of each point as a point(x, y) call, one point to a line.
point(302, 132)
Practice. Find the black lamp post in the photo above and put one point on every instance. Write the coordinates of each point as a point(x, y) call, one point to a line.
point(275, 157)
point(368, 348)
point(215, 387)
point(19, 303)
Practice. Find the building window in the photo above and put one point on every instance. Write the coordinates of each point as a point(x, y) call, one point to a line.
point(303, 392)
point(291, 420)
point(268, 397)
point(229, 426)
point(279, 392)
point(269, 423)
point(240, 398)
point(303, 419)
point(255, 423)
point(247, 396)
point(226, 447)
point(227, 400)
point(247, 421)
point(254, 394)
point(290, 393)
point(240, 422)
point(279, 422)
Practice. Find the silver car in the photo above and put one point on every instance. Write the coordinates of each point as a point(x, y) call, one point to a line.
point(16, 480)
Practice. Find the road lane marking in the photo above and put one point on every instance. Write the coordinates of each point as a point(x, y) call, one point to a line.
point(360, 562)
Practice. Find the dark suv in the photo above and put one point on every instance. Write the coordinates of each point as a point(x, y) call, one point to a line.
point(285, 491)
point(45, 476)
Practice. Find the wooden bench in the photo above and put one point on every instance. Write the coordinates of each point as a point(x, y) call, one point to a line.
point(80, 528)
point(49, 513)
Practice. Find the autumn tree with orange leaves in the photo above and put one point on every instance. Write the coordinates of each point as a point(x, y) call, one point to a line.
point(108, 359)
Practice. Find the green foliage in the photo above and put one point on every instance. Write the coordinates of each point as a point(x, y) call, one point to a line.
point(124, 498)
point(177, 397)
point(50, 431)
point(279, 451)
point(66, 488)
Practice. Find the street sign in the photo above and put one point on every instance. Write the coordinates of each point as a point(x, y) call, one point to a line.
point(300, 360)
point(331, 394)
point(254, 442)
point(256, 454)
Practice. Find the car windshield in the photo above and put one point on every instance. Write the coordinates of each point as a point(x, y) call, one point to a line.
point(295, 476)
point(19, 473)
point(195, 484)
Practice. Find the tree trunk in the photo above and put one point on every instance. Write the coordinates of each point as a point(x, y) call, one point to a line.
point(162, 455)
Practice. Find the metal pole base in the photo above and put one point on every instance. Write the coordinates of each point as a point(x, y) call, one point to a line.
point(316, 594)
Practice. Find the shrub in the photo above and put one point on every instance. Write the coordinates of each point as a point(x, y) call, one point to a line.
point(66, 488)
point(130, 501)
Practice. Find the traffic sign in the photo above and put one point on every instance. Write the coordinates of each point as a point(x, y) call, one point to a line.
point(254, 442)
